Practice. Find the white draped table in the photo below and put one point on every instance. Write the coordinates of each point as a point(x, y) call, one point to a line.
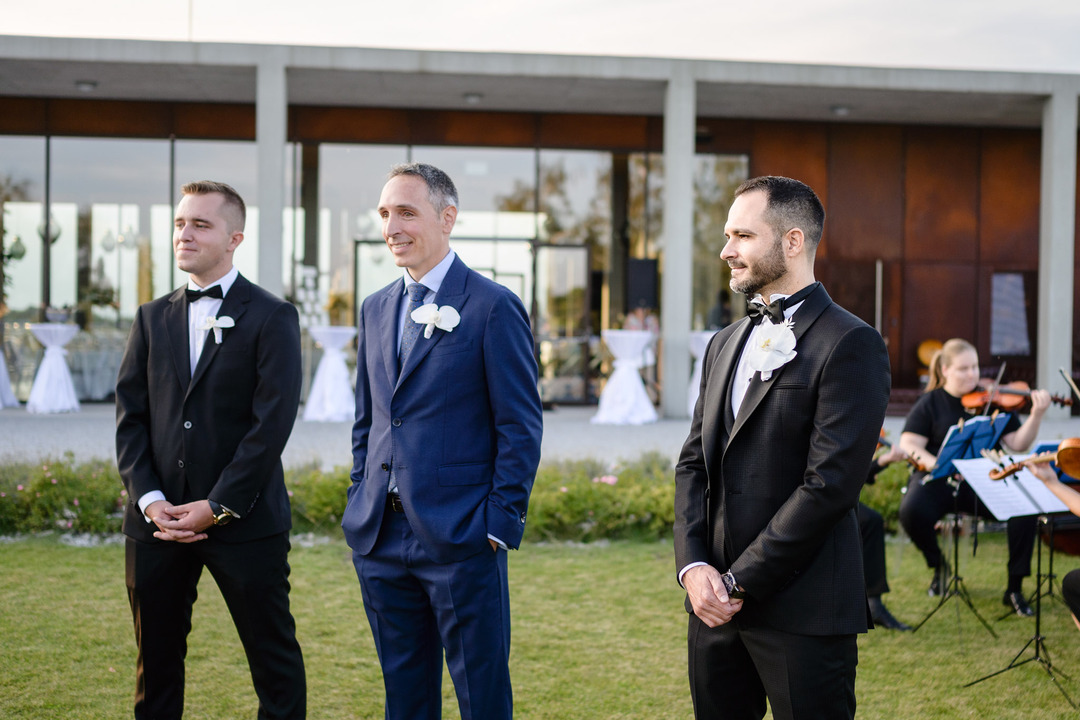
point(624, 400)
point(331, 398)
point(53, 391)
point(699, 340)
point(7, 395)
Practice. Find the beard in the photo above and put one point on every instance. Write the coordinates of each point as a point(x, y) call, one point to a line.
point(768, 269)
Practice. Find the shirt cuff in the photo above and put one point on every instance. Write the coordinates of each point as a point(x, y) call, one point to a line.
point(148, 499)
point(691, 565)
point(498, 542)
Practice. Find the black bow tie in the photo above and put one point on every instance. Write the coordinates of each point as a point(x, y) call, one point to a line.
point(212, 292)
point(775, 310)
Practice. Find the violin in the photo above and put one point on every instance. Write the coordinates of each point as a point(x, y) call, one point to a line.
point(1009, 397)
point(1066, 457)
point(883, 443)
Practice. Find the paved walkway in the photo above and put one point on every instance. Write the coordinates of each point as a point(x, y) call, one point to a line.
point(568, 434)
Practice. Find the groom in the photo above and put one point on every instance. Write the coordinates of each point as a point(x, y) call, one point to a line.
point(766, 540)
point(445, 449)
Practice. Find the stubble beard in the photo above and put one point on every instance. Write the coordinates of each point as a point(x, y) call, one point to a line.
point(769, 269)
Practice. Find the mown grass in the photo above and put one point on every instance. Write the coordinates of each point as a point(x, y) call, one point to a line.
point(599, 632)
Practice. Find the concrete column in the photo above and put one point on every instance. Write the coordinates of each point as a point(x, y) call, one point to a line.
point(1057, 233)
point(677, 277)
point(271, 121)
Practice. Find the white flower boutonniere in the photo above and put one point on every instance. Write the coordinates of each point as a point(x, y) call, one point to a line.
point(445, 318)
point(775, 347)
point(216, 324)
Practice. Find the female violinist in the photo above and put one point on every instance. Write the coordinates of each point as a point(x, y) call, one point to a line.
point(1070, 584)
point(954, 372)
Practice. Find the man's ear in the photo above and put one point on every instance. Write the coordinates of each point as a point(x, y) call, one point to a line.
point(794, 242)
point(449, 217)
point(234, 240)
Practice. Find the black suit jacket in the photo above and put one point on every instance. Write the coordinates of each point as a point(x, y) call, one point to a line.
point(771, 495)
point(220, 433)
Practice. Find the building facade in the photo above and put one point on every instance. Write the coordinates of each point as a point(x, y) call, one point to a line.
point(590, 185)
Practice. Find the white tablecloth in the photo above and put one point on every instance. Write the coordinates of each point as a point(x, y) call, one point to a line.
point(7, 396)
point(698, 342)
point(624, 400)
point(331, 398)
point(53, 391)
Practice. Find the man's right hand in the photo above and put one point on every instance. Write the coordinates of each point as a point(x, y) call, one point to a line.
point(162, 511)
point(708, 596)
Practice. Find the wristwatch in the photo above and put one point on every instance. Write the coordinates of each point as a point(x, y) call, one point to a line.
point(222, 514)
point(733, 590)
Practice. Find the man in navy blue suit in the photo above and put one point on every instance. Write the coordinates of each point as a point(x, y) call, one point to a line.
point(445, 449)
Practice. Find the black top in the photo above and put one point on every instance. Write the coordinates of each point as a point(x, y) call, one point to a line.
point(937, 411)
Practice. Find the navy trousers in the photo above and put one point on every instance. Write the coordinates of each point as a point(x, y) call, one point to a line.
point(419, 609)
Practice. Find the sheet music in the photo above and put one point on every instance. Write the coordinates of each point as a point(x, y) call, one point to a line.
point(1017, 495)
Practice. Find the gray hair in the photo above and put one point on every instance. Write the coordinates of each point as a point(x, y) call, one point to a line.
point(441, 190)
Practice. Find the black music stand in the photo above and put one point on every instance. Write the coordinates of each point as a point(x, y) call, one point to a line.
point(1042, 655)
point(967, 439)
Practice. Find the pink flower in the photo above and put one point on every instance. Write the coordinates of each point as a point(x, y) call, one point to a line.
point(3, 494)
point(564, 489)
point(606, 479)
point(19, 488)
point(76, 502)
point(54, 481)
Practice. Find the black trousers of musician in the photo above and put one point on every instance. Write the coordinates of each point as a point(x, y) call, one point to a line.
point(734, 668)
point(872, 531)
point(1070, 589)
point(925, 504)
point(253, 577)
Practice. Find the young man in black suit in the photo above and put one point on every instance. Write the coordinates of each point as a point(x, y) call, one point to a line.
point(766, 540)
point(205, 400)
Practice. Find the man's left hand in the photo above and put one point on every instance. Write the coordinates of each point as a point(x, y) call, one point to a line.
point(188, 522)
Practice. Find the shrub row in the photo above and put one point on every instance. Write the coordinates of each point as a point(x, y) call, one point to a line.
point(579, 500)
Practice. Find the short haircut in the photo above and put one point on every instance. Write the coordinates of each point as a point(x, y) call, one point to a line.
point(441, 189)
point(232, 198)
point(789, 204)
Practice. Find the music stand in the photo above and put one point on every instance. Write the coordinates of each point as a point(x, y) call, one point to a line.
point(967, 439)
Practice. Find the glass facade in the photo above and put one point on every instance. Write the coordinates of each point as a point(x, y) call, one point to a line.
point(558, 227)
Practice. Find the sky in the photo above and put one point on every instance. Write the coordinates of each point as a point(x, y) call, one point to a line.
point(1037, 35)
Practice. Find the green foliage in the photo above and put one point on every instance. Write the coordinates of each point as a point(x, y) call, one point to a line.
point(85, 497)
point(583, 500)
point(317, 498)
point(886, 492)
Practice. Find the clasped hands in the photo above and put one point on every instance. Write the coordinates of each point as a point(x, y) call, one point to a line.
point(709, 598)
point(181, 523)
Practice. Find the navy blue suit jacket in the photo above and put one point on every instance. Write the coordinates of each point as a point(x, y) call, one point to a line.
point(461, 425)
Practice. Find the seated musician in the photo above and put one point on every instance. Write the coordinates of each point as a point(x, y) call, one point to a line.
point(1070, 584)
point(954, 372)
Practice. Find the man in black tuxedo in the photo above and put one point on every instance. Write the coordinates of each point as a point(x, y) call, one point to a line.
point(766, 540)
point(205, 400)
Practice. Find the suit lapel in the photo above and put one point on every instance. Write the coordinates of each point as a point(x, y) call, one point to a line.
point(804, 319)
point(234, 305)
point(176, 330)
point(451, 292)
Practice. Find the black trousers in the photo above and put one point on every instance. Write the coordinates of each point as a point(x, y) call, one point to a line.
point(253, 577)
point(925, 504)
point(805, 677)
point(872, 530)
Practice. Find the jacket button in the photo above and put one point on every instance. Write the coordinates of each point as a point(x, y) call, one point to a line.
point(385, 466)
point(187, 424)
point(180, 463)
point(396, 422)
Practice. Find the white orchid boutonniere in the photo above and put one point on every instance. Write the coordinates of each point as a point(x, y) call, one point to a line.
point(216, 324)
point(445, 318)
point(775, 347)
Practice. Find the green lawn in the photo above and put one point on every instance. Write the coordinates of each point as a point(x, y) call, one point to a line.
point(599, 632)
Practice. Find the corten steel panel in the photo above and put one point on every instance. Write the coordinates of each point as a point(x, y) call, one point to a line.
point(474, 128)
point(114, 118)
point(795, 150)
point(607, 132)
point(724, 137)
point(348, 125)
point(1009, 198)
point(216, 121)
point(939, 303)
point(22, 116)
point(942, 194)
point(865, 214)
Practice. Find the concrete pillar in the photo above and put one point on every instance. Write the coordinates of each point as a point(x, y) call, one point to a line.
point(1057, 232)
point(677, 277)
point(271, 121)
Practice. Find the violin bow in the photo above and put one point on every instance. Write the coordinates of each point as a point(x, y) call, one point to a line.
point(1068, 379)
point(993, 389)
